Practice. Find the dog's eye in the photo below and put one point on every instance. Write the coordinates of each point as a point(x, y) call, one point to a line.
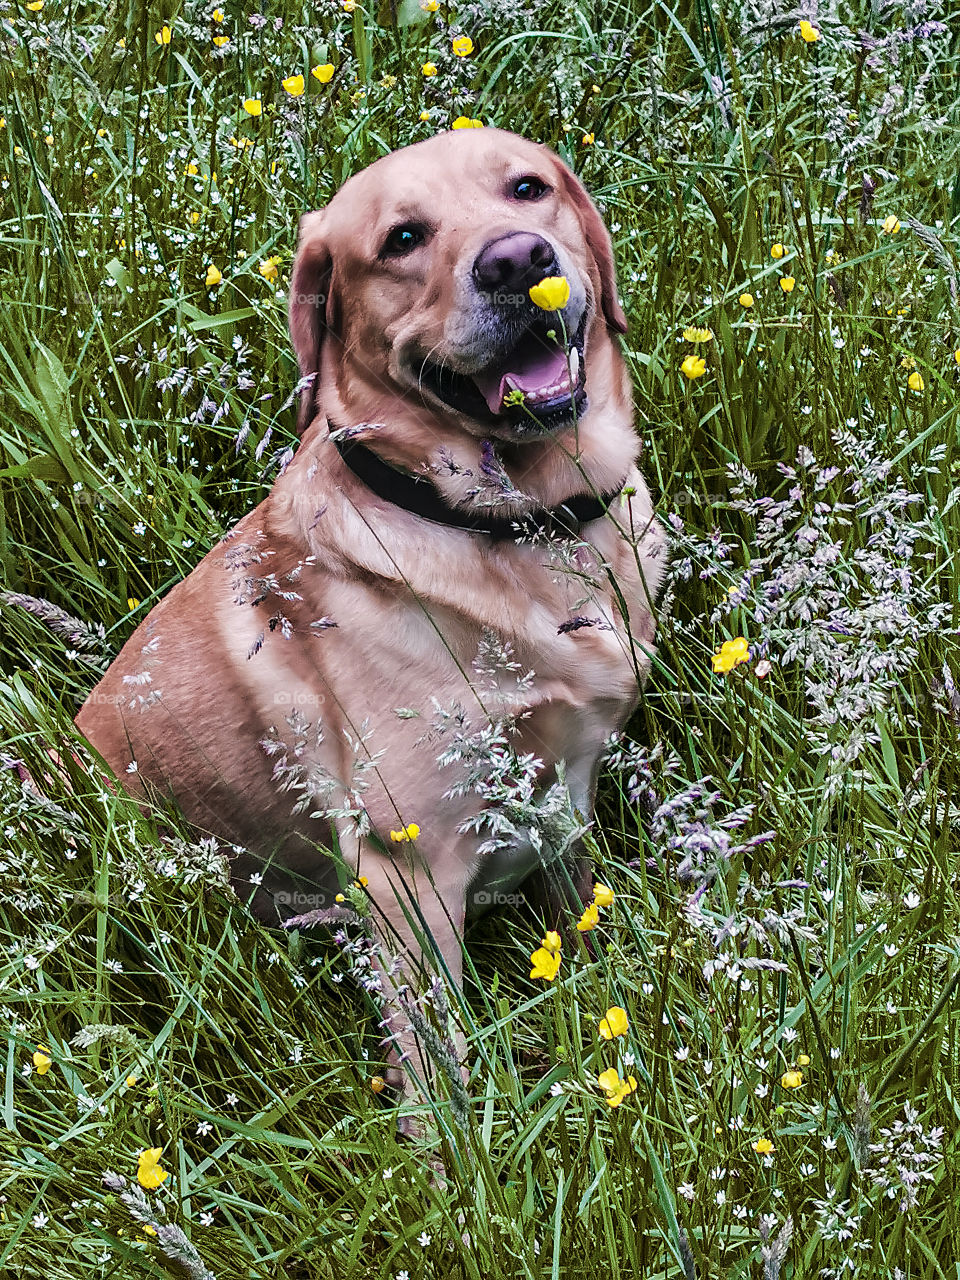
point(403, 240)
point(529, 188)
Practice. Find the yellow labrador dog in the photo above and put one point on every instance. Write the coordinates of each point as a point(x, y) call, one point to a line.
point(455, 571)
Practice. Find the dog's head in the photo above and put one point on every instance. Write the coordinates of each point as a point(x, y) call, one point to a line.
point(413, 287)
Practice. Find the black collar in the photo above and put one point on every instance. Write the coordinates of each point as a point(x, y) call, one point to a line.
point(417, 495)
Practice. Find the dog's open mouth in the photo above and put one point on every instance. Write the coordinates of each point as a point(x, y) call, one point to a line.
point(539, 382)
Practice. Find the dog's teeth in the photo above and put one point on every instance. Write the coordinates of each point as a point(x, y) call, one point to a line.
point(574, 364)
point(509, 384)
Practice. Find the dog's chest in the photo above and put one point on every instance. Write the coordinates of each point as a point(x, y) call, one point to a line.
point(551, 656)
point(530, 627)
point(566, 625)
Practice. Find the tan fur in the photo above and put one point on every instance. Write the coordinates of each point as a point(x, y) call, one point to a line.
point(204, 678)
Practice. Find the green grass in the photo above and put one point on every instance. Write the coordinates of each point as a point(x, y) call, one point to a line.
point(124, 387)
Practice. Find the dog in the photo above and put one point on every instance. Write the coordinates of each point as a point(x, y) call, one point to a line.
point(462, 546)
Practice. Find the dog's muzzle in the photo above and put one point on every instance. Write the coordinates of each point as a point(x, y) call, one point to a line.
point(535, 381)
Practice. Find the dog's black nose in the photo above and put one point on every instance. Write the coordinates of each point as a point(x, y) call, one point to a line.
point(514, 262)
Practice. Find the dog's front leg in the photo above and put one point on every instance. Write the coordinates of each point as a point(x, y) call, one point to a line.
point(419, 926)
point(559, 890)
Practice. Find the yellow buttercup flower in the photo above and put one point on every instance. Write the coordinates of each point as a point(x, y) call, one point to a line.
point(551, 294)
point(787, 283)
point(463, 46)
point(915, 382)
point(424, 116)
point(152, 1177)
point(590, 918)
point(294, 86)
point(551, 941)
point(429, 69)
point(546, 964)
point(253, 106)
point(130, 1081)
point(464, 122)
point(323, 72)
point(891, 224)
point(163, 36)
point(269, 269)
point(615, 1088)
point(763, 1147)
point(132, 603)
point(809, 32)
point(746, 299)
point(777, 250)
point(730, 655)
point(693, 367)
point(42, 1060)
point(349, 5)
point(149, 1173)
point(430, 6)
point(588, 139)
point(609, 1080)
point(217, 15)
point(803, 1059)
point(220, 41)
point(792, 1079)
point(35, 6)
point(212, 278)
point(697, 335)
point(602, 895)
point(614, 1024)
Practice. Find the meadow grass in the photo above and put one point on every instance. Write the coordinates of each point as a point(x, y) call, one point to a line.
point(781, 838)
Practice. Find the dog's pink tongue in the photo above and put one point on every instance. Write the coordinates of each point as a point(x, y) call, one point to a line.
point(541, 377)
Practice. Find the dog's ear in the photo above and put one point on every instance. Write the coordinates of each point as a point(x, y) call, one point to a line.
point(600, 245)
point(311, 307)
